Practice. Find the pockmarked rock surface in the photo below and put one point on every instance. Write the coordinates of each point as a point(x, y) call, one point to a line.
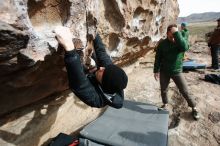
point(37, 124)
point(31, 61)
point(32, 66)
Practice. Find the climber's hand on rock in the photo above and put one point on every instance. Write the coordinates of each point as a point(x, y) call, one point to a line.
point(64, 37)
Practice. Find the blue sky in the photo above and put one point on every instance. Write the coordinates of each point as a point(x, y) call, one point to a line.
point(188, 7)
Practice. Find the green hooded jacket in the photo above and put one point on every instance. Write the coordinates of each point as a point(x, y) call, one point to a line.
point(169, 55)
point(185, 34)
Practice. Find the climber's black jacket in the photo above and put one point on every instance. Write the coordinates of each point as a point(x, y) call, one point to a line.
point(85, 86)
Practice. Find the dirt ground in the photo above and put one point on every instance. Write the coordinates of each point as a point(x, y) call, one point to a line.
point(183, 129)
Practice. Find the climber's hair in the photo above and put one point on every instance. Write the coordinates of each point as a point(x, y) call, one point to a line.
point(170, 26)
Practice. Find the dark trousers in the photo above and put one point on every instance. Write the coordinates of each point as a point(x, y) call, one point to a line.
point(181, 85)
point(214, 54)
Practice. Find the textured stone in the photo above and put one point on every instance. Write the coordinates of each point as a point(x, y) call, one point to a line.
point(11, 41)
point(37, 124)
point(32, 67)
point(214, 117)
point(34, 70)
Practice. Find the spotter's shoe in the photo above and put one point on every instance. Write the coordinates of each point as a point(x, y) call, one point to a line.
point(195, 114)
point(163, 107)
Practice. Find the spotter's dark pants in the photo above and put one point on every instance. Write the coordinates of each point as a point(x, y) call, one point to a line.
point(214, 54)
point(181, 85)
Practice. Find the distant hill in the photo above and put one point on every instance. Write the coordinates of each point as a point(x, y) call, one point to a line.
point(200, 17)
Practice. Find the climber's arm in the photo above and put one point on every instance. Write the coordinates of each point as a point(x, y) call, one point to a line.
point(78, 82)
point(103, 59)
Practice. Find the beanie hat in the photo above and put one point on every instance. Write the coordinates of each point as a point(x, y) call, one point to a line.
point(183, 24)
point(114, 79)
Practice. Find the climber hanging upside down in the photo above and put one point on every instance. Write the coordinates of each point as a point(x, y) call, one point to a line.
point(98, 88)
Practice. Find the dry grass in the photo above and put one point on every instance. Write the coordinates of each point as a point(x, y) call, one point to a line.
point(198, 31)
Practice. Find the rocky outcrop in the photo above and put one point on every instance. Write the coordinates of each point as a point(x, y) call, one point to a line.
point(37, 124)
point(31, 62)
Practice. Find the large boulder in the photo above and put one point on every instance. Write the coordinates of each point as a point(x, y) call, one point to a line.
point(32, 65)
point(37, 124)
point(31, 62)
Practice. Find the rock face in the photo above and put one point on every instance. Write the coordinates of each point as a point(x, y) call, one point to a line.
point(32, 66)
point(31, 62)
point(37, 124)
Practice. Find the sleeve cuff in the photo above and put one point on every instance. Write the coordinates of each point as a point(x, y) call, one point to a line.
point(70, 53)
